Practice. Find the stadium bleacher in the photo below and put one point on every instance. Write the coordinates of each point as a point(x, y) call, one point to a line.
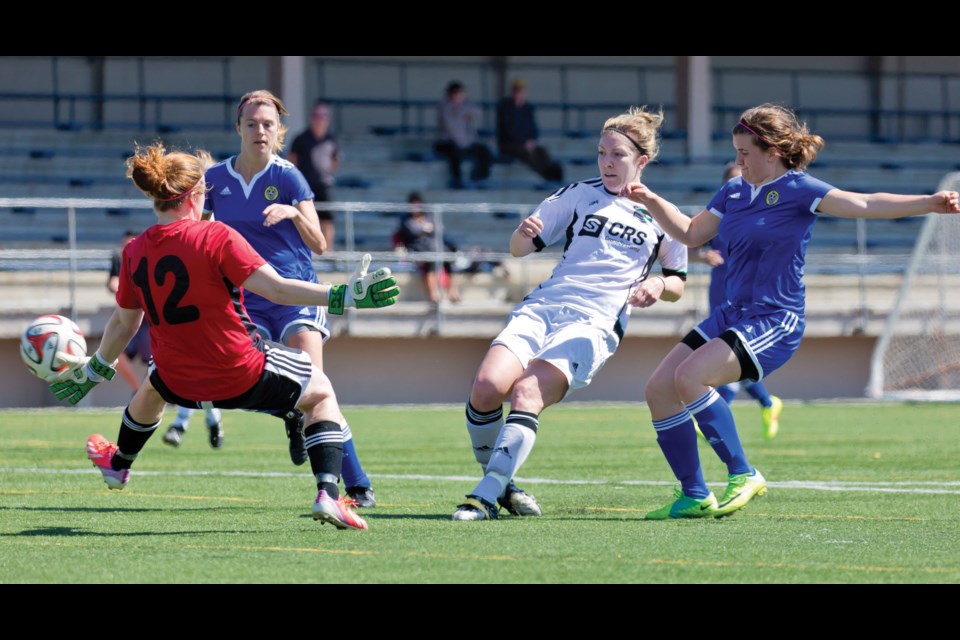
point(380, 169)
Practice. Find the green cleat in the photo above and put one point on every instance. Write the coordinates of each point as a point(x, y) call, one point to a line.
point(696, 428)
point(771, 418)
point(685, 507)
point(741, 489)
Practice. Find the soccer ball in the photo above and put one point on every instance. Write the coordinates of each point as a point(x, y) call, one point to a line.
point(45, 339)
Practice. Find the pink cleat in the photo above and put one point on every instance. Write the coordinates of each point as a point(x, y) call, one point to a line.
point(101, 451)
point(337, 512)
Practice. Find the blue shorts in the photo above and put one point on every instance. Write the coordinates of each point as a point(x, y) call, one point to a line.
point(769, 340)
point(279, 322)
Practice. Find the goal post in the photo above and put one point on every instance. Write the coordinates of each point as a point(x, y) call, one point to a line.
point(917, 357)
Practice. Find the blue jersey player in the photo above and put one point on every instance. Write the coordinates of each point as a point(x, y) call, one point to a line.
point(268, 201)
point(764, 218)
point(714, 254)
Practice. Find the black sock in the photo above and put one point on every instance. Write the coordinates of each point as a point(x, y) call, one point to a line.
point(325, 447)
point(133, 436)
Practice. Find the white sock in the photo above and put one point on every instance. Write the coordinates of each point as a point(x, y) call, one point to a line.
point(484, 428)
point(512, 448)
point(213, 416)
point(183, 418)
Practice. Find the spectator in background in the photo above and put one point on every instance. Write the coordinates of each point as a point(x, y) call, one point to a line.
point(418, 232)
point(457, 136)
point(316, 153)
point(517, 134)
point(139, 346)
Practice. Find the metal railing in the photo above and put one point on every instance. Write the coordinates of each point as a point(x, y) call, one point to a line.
point(73, 259)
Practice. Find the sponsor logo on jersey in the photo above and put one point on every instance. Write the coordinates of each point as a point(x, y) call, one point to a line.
point(593, 226)
point(773, 198)
point(226, 191)
point(305, 311)
point(271, 193)
point(735, 196)
point(761, 222)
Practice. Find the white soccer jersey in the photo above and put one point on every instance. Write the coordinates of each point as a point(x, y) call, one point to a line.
point(610, 244)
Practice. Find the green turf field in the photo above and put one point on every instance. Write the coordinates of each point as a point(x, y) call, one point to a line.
point(858, 493)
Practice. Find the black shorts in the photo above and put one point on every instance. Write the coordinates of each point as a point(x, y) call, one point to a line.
point(748, 370)
point(286, 374)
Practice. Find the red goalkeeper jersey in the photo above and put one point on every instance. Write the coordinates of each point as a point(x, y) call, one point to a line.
point(186, 277)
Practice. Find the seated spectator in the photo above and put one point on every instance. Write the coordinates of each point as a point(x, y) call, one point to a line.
point(417, 232)
point(517, 134)
point(457, 136)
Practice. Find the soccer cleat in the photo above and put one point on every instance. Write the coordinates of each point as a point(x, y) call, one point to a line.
point(696, 428)
point(362, 496)
point(475, 508)
point(293, 423)
point(518, 502)
point(741, 488)
point(174, 436)
point(337, 512)
point(685, 507)
point(216, 435)
point(101, 452)
point(771, 418)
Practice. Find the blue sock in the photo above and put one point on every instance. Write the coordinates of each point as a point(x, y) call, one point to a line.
point(759, 393)
point(716, 421)
point(728, 392)
point(353, 474)
point(678, 441)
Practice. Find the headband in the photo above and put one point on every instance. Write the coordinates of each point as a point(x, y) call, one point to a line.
point(624, 134)
point(182, 195)
point(764, 140)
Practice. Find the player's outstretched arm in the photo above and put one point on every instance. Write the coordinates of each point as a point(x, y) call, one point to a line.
point(693, 232)
point(846, 204)
point(362, 291)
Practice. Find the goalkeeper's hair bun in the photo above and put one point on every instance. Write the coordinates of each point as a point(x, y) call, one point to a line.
point(166, 176)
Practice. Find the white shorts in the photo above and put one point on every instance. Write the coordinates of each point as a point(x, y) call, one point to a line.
point(573, 341)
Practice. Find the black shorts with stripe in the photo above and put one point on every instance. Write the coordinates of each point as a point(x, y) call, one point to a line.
point(286, 373)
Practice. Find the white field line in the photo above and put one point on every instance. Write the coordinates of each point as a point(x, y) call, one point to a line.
point(925, 487)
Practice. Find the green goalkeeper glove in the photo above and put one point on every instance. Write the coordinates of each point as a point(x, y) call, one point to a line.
point(364, 291)
point(81, 378)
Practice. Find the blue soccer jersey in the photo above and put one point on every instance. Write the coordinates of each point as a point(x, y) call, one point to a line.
point(240, 205)
point(766, 231)
point(718, 275)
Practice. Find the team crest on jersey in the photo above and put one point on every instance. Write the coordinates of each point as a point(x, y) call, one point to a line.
point(640, 212)
point(271, 193)
point(773, 198)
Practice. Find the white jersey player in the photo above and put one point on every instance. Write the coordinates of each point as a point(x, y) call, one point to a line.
point(562, 334)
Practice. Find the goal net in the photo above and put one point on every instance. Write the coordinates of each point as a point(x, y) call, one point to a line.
point(917, 357)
